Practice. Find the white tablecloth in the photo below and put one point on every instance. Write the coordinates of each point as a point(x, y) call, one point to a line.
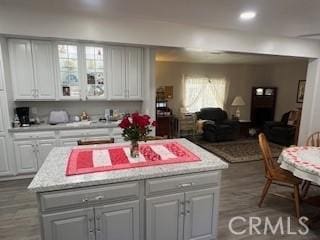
point(303, 162)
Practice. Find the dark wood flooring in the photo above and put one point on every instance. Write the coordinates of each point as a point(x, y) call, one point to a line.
point(241, 187)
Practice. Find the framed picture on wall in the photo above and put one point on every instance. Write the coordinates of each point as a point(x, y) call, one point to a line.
point(300, 91)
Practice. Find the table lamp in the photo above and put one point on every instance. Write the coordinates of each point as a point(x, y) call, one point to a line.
point(238, 102)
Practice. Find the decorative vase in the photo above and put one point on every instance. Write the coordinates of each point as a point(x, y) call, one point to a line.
point(134, 149)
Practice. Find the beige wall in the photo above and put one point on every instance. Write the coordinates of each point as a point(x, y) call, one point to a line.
point(241, 78)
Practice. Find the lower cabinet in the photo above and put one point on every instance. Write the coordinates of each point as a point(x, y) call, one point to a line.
point(118, 221)
point(164, 217)
point(110, 222)
point(4, 157)
point(30, 155)
point(189, 216)
point(68, 225)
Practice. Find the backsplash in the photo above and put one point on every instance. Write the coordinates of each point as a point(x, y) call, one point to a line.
point(95, 109)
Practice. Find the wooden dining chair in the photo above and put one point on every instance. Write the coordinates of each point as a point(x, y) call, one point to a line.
point(312, 141)
point(95, 142)
point(276, 175)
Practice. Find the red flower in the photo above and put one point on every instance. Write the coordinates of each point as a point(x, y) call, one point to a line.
point(125, 123)
point(154, 124)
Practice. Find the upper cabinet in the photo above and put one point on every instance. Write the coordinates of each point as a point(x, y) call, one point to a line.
point(31, 64)
point(95, 72)
point(125, 73)
point(44, 70)
point(68, 71)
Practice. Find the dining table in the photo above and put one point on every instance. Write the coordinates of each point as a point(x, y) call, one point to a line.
point(304, 163)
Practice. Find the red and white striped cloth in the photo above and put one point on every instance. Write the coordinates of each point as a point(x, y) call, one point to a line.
point(97, 159)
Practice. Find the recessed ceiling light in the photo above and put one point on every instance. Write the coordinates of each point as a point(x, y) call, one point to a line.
point(248, 15)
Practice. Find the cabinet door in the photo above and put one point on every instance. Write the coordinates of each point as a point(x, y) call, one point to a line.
point(116, 72)
point(69, 225)
point(4, 157)
point(21, 69)
point(1, 70)
point(118, 221)
point(44, 148)
point(25, 156)
point(164, 217)
point(42, 53)
point(201, 214)
point(134, 72)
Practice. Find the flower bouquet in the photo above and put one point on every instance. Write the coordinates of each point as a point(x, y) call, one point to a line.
point(136, 128)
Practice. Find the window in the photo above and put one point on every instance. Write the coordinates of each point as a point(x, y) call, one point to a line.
point(203, 92)
point(69, 71)
point(95, 71)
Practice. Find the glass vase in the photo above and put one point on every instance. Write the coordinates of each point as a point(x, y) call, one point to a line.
point(134, 149)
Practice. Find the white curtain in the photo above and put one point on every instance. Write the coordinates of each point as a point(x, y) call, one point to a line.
point(200, 92)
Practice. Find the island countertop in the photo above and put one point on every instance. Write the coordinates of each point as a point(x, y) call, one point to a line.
point(52, 174)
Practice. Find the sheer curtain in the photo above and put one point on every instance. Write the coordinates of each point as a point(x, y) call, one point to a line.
point(200, 92)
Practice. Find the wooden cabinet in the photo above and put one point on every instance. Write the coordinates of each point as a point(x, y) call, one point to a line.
point(4, 157)
point(164, 217)
point(68, 225)
point(31, 64)
point(125, 73)
point(118, 221)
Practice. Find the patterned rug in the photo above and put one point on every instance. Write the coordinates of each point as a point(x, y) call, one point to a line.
point(239, 151)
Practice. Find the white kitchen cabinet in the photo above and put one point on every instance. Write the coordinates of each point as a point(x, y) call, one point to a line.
point(4, 113)
point(42, 54)
point(21, 69)
point(118, 221)
point(44, 147)
point(116, 73)
point(201, 214)
point(32, 69)
point(134, 73)
point(68, 225)
point(4, 157)
point(164, 217)
point(30, 154)
point(125, 73)
point(69, 142)
point(25, 156)
point(2, 85)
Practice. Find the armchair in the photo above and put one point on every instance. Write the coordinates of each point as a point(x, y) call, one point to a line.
point(217, 127)
point(281, 132)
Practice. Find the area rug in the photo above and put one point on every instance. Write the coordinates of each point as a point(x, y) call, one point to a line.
point(239, 151)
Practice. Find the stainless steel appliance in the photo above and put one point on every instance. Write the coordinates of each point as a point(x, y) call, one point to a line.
point(23, 115)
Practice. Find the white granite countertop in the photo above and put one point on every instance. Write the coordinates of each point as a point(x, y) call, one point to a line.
point(66, 126)
point(51, 175)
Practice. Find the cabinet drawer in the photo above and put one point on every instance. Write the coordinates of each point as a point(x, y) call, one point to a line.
point(33, 135)
point(178, 183)
point(98, 132)
point(72, 133)
point(89, 195)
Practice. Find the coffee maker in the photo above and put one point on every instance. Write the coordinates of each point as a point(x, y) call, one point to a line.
point(23, 115)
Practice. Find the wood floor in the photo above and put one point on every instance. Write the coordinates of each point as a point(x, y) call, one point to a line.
point(241, 187)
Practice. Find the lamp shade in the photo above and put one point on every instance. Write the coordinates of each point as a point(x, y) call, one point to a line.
point(238, 101)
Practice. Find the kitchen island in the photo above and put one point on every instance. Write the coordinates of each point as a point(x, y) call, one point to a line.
point(163, 202)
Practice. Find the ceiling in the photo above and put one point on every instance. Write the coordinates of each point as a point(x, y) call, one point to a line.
point(277, 17)
point(164, 54)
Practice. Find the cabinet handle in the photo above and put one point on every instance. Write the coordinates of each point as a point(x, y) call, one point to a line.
point(90, 225)
point(85, 200)
point(183, 185)
point(99, 198)
point(187, 207)
point(182, 208)
point(98, 229)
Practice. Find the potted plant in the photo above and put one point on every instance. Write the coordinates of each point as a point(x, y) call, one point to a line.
point(136, 128)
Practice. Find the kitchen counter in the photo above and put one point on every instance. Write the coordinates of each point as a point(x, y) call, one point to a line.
point(67, 126)
point(51, 175)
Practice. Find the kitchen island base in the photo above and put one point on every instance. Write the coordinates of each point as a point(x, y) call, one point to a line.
point(180, 207)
